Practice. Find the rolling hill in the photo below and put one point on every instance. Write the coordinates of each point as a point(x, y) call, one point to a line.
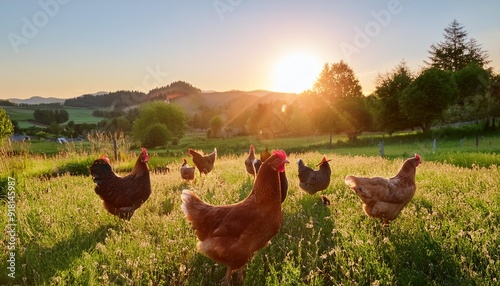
point(233, 104)
point(37, 100)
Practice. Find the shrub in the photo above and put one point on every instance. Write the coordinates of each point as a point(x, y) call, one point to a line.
point(156, 135)
point(170, 115)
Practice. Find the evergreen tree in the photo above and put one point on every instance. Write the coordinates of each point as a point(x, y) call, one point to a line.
point(456, 51)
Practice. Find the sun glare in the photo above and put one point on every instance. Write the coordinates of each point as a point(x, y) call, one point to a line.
point(296, 72)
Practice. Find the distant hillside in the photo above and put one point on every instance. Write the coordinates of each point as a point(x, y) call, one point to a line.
point(118, 99)
point(231, 102)
point(172, 91)
point(235, 106)
point(37, 100)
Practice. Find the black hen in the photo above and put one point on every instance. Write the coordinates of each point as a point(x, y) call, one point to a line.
point(313, 181)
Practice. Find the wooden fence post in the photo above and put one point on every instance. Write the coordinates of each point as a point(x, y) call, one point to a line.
point(115, 147)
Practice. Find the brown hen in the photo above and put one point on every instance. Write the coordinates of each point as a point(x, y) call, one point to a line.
point(231, 234)
point(122, 195)
point(204, 163)
point(385, 198)
point(250, 160)
point(264, 155)
point(187, 172)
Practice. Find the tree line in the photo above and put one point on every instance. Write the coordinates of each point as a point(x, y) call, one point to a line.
point(455, 86)
point(48, 116)
point(117, 99)
point(126, 98)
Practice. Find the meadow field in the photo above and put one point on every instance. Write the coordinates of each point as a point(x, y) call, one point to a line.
point(23, 115)
point(60, 234)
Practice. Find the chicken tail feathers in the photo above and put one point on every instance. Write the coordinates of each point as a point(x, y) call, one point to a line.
point(186, 198)
point(351, 181)
point(189, 202)
point(100, 170)
point(198, 213)
point(357, 186)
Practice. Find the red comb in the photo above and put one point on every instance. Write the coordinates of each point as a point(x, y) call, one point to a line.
point(280, 153)
point(105, 158)
point(144, 151)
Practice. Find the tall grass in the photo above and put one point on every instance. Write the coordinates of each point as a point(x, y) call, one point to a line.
point(448, 234)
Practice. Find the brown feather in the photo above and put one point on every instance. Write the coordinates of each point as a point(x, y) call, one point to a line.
point(204, 164)
point(385, 198)
point(122, 195)
point(231, 234)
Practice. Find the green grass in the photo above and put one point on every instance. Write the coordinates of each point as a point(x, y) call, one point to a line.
point(447, 235)
point(487, 153)
point(23, 114)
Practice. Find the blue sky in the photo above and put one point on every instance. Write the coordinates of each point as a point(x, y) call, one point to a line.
point(66, 48)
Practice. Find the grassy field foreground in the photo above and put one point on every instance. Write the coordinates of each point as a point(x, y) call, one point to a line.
point(447, 235)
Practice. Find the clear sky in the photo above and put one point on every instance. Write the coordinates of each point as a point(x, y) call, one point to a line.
point(66, 48)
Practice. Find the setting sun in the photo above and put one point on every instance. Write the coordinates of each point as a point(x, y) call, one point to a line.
point(296, 72)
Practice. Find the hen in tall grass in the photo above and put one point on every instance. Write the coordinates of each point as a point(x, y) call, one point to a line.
point(385, 198)
point(122, 195)
point(187, 172)
point(231, 234)
point(204, 163)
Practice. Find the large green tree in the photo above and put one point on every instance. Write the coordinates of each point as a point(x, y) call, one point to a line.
point(354, 115)
point(457, 50)
point(425, 99)
point(471, 80)
point(6, 127)
point(337, 81)
point(390, 87)
point(336, 108)
point(171, 115)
